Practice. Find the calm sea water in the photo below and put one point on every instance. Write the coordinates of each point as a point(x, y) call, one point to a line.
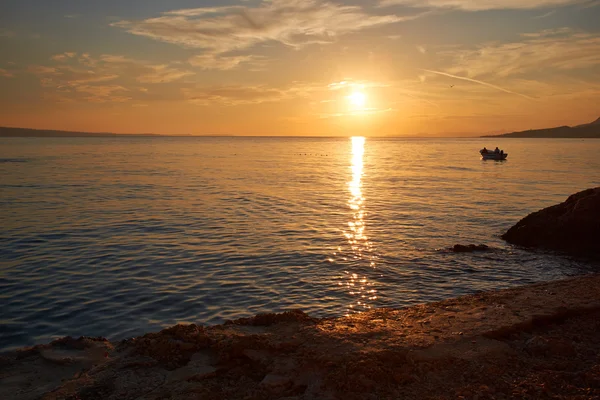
point(121, 236)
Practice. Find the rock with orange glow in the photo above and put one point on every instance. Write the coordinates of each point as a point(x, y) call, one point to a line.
point(572, 227)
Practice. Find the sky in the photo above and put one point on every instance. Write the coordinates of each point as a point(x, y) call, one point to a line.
point(299, 67)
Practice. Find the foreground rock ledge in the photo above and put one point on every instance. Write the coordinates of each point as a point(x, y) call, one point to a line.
point(538, 341)
point(572, 227)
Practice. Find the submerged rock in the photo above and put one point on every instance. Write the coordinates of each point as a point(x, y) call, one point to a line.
point(572, 227)
point(461, 248)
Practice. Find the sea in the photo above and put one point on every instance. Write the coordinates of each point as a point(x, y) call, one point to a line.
point(121, 236)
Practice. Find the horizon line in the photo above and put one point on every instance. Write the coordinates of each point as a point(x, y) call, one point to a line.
point(114, 134)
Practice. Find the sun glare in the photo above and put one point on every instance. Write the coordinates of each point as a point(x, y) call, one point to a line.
point(357, 100)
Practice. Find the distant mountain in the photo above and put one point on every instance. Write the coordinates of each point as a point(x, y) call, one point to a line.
point(591, 130)
point(24, 132)
point(596, 122)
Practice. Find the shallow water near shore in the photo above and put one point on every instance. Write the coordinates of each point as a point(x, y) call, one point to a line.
point(121, 236)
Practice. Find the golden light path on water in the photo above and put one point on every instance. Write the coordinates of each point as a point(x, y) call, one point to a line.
point(357, 284)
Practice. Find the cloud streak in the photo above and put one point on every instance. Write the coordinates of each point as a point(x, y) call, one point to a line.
point(547, 50)
point(545, 15)
point(479, 82)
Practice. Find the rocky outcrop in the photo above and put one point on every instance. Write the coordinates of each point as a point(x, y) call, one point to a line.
point(572, 227)
point(469, 248)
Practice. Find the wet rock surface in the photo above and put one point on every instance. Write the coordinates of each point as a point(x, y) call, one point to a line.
point(538, 341)
point(572, 227)
point(469, 248)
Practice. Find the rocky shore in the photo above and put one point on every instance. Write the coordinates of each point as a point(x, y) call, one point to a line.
point(539, 341)
point(571, 227)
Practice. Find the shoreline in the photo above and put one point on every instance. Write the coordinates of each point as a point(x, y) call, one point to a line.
point(498, 344)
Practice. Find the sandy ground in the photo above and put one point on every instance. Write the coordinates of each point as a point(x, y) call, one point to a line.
point(534, 342)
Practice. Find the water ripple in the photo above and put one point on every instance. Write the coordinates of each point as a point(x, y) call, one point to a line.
point(117, 237)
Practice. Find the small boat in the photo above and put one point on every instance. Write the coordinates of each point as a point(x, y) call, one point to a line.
point(493, 154)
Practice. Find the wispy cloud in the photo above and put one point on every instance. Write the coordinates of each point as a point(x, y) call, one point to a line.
point(355, 85)
point(545, 15)
point(558, 50)
point(105, 78)
point(213, 61)
point(221, 31)
point(144, 71)
point(64, 56)
point(5, 33)
point(234, 95)
point(162, 74)
point(479, 5)
point(479, 82)
point(6, 74)
point(103, 93)
point(42, 70)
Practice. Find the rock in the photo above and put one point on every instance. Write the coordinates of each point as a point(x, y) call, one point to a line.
point(172, 347)
point(269, 319)
point(561, 348)
point(461, 248)
point(555, 347)
point(273, 381)
point(537, 346)
point(572, 227)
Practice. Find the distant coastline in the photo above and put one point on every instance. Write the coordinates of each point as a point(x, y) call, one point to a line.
point(25, 132)
point(41, 133)
point(585, 131)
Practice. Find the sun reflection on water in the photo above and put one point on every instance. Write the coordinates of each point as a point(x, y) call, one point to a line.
point(356, 283)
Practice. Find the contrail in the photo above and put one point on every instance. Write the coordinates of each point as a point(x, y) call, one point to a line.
point(480, 82)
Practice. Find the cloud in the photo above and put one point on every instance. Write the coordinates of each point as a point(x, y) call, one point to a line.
point(162, 74)
point(144, 71)
point(479, 5)
point(42, 70)
point(8, 34)
point(212, 61)
point(219, 31)
point(6, 74)
point(103, 93)
point(63, 56)
point(233, 95)
point(73, 74)
point(329, 99)
point(545, 15)
point(548, 50)
point(65, 82)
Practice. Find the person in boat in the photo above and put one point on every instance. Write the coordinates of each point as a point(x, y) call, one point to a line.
point(497, 150)
point(484, 151)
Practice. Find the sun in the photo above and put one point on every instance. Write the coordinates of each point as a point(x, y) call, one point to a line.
point(357, 100)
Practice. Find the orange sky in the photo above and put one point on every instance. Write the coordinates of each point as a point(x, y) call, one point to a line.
point(291, 67)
